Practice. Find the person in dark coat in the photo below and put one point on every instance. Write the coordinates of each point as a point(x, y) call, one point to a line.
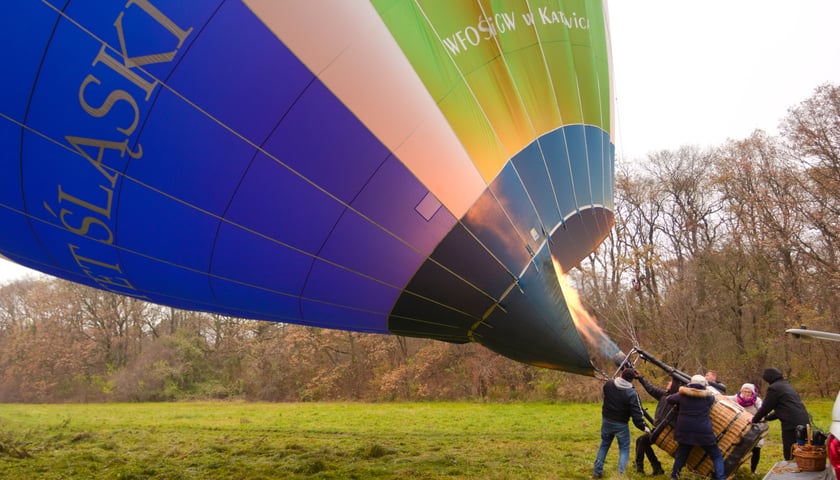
point(621, 403)
point(782, 402)
point(694, 425)
point(643, 442)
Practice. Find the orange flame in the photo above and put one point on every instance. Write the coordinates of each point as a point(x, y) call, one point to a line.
point(585, 323)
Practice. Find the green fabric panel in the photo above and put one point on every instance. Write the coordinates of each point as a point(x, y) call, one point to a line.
point(503, 74)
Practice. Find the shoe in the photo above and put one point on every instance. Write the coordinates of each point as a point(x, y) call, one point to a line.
point(657, 471)
point(640, 469)
point(596, 475)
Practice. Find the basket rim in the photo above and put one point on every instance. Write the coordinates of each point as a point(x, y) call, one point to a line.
point(809, 456)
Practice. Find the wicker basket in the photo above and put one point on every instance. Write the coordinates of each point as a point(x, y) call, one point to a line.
point(809, 458)
point(736, 435)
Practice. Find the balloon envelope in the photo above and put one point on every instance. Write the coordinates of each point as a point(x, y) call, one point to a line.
point(406, 167)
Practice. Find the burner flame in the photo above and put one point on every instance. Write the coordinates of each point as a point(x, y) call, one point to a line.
point(585, 323)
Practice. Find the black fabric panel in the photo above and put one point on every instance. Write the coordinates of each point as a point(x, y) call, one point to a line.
point(535, 326)
point(461, 253)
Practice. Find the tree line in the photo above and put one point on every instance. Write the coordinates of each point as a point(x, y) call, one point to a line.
point(715, 252)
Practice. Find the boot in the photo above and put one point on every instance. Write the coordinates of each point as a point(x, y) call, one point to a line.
point(640, 468)
point(657, 470)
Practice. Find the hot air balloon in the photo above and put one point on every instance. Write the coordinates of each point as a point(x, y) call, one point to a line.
point(385, 166)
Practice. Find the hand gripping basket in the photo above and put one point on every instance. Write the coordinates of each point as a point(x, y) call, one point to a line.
point(809, 458)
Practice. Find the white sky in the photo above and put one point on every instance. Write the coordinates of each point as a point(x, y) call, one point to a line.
point(699, 72)
point(10, 271)
point(690, 72)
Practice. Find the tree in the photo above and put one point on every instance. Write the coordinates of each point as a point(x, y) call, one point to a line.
point(811, 131)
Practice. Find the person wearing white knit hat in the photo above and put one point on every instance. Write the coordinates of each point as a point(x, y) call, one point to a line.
point(694, 425)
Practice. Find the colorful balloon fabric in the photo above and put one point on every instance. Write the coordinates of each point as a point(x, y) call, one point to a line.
point(388, 166)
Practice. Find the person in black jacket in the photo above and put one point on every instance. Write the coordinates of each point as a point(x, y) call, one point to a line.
point(694, 425)
point(621, 403)
point(786, 406)
point(643, 442)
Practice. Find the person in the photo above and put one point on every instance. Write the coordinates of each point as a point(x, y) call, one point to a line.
point(694, 425)
point(643, 442)
point(782, 402)
point(749, 400)
point(621, 403)
point(712, 380)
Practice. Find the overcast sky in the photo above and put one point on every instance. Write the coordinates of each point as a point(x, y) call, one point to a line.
point(699, 72)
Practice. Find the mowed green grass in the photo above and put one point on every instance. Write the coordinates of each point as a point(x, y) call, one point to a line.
point(316, 441)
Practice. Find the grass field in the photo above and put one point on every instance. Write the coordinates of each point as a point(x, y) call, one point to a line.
point(254, 441)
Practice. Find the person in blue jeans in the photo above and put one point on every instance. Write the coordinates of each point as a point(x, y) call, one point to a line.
point(621, 403)
point(694, 425)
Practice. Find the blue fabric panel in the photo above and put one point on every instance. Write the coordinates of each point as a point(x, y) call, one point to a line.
point(68, 199)
point(556, 154)
point(255, 80)
point(18, 247)
point(244, 257)
point(221, 152)
point(249, 301)
point(597, 157)
point(60, 88)
point(284, 207)
point(299, 141)
point(24, 34)
point(532, 168)
point(166, 230)
point(363, 247)
point(331, 316)
point(509, 191)
point(11, 195)
point(578, 152)
point(163, 282)
point(330, 284)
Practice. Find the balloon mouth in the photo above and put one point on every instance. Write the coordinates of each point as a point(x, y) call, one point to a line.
point(546, 324)
point(575, 239)
point(534, 321)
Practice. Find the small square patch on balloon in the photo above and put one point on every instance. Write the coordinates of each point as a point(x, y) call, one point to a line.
point(428, 206)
